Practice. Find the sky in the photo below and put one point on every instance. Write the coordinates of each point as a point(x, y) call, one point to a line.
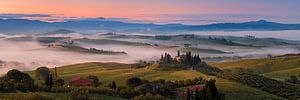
point(160, 11)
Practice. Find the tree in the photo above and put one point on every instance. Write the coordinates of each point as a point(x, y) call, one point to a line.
point(133, 82)
point(162, 58)
point(19, 80)
point(188, 94)
point(59, 82)
point(113, 85)
point(42, 72)
point(197, 95)
point(95, 79)
point(127, 92)
point(293, 79)
point(15, 75)
point(49, 80)
point(55, 73)
point(212, 88)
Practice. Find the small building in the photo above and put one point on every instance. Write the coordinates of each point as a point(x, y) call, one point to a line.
point(80, 81)
point(193, 89)
point(180, 58)
point(187, 45)
point(197, 87)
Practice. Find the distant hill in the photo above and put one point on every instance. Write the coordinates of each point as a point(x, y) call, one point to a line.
point(59, 31)
point(245, 26)
point(24, 25)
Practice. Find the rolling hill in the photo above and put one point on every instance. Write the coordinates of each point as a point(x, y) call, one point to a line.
point(279, 67)
point(108, 72)
point(23, 25)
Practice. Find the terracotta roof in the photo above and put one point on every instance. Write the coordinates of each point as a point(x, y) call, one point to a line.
point(199, 87)
point(80, 81)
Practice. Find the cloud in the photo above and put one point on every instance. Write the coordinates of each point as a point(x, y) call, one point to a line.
point(210, 18)
point(19, 16)
point(41, 17)
point(190, 19)
point(128, 20)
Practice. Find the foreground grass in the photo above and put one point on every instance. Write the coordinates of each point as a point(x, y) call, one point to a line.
point(62, 96)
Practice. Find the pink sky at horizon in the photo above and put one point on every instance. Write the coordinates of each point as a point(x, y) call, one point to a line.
point(157, 9)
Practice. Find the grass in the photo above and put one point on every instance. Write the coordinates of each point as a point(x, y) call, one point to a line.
point(237, 91)
point(64, 96)
point(276, 67)
point(281, 75)
point(109, 72)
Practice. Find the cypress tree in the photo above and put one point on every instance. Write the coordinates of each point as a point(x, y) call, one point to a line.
point(162, 58)
point(197, 95)
point(113, 85)
point(49, 80)
point(55, 73)
point(195, 60)
point(188, 94)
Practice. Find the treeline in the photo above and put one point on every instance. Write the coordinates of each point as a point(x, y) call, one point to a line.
point(190, 59)
point(187, 59)
point(136, 87)
point(16, 80)
point(269, 85)
point(48, 81)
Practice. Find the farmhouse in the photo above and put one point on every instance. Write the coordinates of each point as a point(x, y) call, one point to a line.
point(80, 81)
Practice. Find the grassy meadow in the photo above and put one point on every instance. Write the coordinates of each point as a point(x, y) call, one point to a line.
point(275, 67)
point(108, 72)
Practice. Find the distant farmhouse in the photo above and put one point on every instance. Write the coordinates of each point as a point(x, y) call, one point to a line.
point(61, 43)
point(80, 81)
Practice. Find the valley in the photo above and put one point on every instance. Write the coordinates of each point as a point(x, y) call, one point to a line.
point(115, 57)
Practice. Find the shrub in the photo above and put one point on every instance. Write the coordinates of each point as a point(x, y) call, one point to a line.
point(96, 81)
point(293, 79)
point(126, 92)
point(28, 96)
point(59, 82)
point(16, 80)
point(79, 94)
point(133, 82)
point(113, 85)
point(101, 90)
point(149, 97)
point(42, 72)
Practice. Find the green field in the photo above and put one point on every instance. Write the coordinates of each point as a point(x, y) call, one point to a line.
point(121, 72)
point(276, 67)
point(61, 96)
point(109, 72)
point(238, 91)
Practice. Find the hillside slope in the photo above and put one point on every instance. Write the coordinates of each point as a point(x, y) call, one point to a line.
point(108, 72)
point(275, 67)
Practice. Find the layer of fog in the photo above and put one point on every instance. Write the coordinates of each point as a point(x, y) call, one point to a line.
point(288, 34)
point(30, 55)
